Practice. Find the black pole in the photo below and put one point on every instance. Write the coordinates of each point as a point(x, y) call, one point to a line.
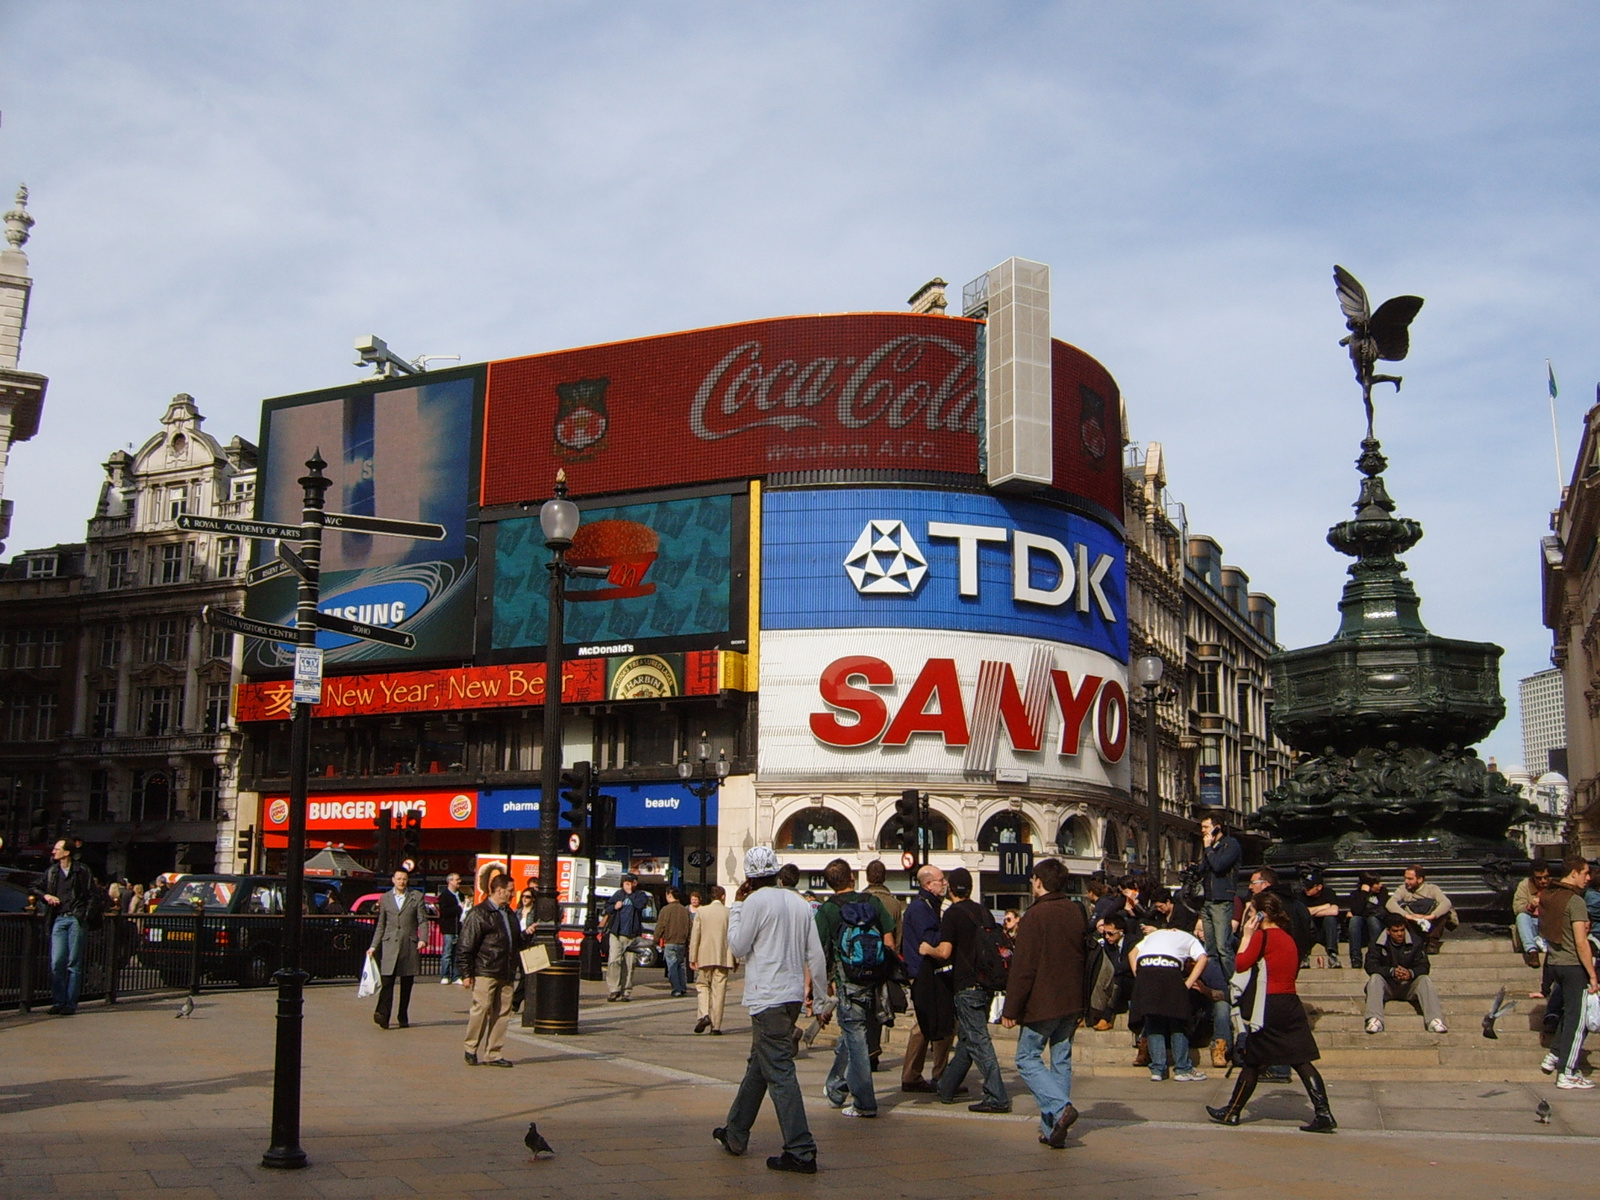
point(550, 760)
point(1152, 778)
point(194, 946)
point(285, 1152)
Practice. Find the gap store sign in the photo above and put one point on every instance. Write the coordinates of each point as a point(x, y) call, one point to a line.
point(639, 805)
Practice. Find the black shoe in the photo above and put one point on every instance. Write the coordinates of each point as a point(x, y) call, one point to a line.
point(988, 1106)
point(54, 1010)
point(715, 1032)
point(379, 1021)
point(1333, 961)
point(613, 997)
point(720, 1135)
point(1322, 1122)
point(1226, 1115)
point(403, 1023)
point(1305, 963)
point(1058, 1133)
point(788, 1162)
point(499, 1062)
point(873, 1060)
point(472, 1059)
point(703, 1024)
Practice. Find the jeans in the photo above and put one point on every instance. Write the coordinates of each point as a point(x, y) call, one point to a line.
point(620, 964)
point(852, 1068)
point(973, 1048)
point(1568, 1044)
point(1051, 1086)
point(447, 960)
point(66, 963)
point(1528, 931)
point(1159, 1030)
point(771, 1071)
point(1364, 932)
point(1216, 921)
point(1329, 927)
point(1222, 1021)
point(677, 957)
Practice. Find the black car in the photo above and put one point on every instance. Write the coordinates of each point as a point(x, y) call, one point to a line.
point(242, 931)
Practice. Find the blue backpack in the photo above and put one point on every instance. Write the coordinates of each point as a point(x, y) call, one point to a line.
point(859, 951)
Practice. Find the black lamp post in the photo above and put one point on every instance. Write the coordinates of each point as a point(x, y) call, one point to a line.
point(1147, 671)
point(711, 776)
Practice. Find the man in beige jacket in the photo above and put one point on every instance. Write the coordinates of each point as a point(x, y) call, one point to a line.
point(711, 961)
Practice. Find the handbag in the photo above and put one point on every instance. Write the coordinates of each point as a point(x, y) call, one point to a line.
point(535, 959)
point(369, 978)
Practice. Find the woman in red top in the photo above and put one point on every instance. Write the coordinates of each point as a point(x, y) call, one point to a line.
point(1285, 1034)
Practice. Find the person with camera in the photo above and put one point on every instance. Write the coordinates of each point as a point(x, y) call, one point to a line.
point(1220, 856)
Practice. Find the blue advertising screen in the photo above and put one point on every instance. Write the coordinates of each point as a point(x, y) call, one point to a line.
point(639, 805)
point(888, 558)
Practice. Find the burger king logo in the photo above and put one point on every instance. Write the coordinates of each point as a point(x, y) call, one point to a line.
point(278, 812)
point(461, 808)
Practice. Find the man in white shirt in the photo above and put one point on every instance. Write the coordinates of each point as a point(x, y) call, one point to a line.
point(771, 930)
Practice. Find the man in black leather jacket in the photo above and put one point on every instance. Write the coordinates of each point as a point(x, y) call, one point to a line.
point(487, 954)
point(1220, 858)
point(70, 892)
point(1397, 969)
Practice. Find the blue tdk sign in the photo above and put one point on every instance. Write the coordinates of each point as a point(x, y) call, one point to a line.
point(893, 558)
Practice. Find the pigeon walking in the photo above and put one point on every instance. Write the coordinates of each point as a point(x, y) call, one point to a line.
point(186, 1007)
point(1542, 1113)
point(535, 1142)
point(1498, 1009)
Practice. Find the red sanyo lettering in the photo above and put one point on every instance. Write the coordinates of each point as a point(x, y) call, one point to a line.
point(934, 704)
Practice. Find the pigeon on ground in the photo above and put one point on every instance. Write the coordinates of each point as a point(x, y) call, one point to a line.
point(535, 1141)
point(186, 1007)
point(1542, 1113)
point(1496, 1010)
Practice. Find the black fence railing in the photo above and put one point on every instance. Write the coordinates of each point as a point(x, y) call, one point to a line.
point(138, 955)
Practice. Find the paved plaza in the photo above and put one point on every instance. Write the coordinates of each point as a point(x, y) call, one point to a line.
point(128, 1102)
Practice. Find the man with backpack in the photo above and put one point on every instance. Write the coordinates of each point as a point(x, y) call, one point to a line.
point(857, 936)
point(971, 943)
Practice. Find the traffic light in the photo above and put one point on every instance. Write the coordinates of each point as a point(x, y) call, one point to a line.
point(247, 841)
point(382, 821)
point(411, 839)
point(577, 787)
point(605, 819)
point(903, 825)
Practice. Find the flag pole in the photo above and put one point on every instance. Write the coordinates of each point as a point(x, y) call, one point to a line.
point(1555, 428)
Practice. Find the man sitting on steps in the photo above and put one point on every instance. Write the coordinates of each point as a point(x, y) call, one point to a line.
point(1397, 969)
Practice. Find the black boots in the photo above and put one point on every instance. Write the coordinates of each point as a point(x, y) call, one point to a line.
point(1230, 1112)
point(1321, 1114)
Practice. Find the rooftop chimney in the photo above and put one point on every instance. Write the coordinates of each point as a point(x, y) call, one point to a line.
point(929, 298)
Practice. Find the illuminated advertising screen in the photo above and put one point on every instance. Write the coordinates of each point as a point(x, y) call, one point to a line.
point(893, 391)
point(400, 449)
point(1086, 428)
point(677, 576)
point(866, 558)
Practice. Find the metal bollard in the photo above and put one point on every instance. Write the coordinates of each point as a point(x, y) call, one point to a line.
point(30, 949)
point(194, 949)
point(113, 924)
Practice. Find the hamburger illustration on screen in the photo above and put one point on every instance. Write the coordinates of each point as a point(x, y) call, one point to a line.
point(625, 548)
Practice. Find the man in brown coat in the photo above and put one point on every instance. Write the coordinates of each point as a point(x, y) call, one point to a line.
point(1044, 994)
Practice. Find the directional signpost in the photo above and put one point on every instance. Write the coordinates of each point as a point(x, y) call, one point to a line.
point(240, 527)
point(266, 571)
point(372, 633)
point(425, 531)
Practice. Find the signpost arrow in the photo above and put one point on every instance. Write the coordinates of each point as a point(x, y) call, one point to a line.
point(354, 523)
point(294, 562)
point(239, 527)
point(266, 571)
point(248, 626)
point(371, 633)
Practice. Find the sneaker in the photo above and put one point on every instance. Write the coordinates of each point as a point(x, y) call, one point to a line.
point(1333, 961)
point(788, 1162)
point(989, 1106)
point(446, 982)
point(850, 1110)
point(1549, 1063)
point(839, 1103)
point(1102, 1025)
point(1437, 1026)
point(1374, 1024)
point(1189, 1076)
point(1574, 1082)
point(613, 997)
point(1157, 1076)
point(720, 1134)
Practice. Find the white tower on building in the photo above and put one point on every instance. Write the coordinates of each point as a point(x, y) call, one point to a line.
point(21, 393)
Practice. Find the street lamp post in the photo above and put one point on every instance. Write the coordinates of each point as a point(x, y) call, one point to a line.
point(711, 777)
point(1147, 670)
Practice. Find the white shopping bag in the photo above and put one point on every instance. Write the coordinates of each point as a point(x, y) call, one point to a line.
point(369, 978)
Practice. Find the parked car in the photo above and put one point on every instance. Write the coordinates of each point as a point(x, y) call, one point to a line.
point(366, 906)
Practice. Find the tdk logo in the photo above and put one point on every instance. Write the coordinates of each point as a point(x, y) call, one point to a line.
point(886, 560)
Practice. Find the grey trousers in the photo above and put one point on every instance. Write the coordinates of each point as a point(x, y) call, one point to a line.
point(771, 1071)
point(1420, 989)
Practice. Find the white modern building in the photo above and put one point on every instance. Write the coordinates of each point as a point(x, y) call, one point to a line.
point(1544, 721)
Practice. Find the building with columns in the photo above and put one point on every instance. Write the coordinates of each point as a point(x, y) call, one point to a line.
point(21, 392)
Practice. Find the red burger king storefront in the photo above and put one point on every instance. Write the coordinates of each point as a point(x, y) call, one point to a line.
point(450, 837)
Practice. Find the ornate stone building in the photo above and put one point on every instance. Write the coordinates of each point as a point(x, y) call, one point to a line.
point(21, 393)
point(117, 723)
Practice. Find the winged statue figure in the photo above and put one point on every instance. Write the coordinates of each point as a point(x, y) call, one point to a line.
point(1385, 334)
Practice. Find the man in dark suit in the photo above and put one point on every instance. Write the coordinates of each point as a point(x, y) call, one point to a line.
point(398, 940)
point(453, 905)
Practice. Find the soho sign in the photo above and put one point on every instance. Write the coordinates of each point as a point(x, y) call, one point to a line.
point(935, 704)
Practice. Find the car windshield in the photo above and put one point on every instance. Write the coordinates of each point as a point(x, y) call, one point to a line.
point(216, 893)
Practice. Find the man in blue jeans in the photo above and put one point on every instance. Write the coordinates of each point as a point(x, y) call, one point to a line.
point(70, 892)
point(1044, 994)
point(1220, 857)
point(870, 928)
point(958, 945)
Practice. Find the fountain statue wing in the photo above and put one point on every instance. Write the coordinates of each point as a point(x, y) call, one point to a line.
point(1385, 334)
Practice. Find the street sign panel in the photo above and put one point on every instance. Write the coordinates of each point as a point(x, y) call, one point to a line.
point(266, 571)
point(248, 626)
point(293, 561)
point(354, 523)
point(307, 675)
point(239, 527)
point(1016, 861)
point(371, 633)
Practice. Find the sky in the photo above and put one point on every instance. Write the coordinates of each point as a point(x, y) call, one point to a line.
point(228, 195)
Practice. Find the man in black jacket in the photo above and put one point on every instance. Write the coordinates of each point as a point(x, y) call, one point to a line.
point(491, 942)
point(1220, 857)
point(1397, 969)
point(453, 906)
point(69, 890)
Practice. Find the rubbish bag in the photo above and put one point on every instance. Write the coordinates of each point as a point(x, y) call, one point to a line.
point(369, 978)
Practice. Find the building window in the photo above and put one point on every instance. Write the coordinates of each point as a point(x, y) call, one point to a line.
point(175, 564)
point(817, 829)
point(99, 795)
point(1208, 693)
point(152, 796)
point(161, 640)
point(1005, 829)
point(118, 574)
point(227, 557)
point(160, 710)
point(177, 502)
point(216, 707)
point(43, 566)
point(110, 645)
point(243, 489)
point(219, 643)
point(1246, 791)
point(1244, 708)
point(105, 712)
point(208, 787)
point(31, 718)
point(50, 647)
point(24, 649)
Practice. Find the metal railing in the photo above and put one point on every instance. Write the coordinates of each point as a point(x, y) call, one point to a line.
point(141, 955)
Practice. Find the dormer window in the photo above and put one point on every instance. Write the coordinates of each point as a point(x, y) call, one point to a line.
point(43, 566)
point(244, 489)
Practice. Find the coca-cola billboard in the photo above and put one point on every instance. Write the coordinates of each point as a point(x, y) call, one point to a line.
point(867, 391)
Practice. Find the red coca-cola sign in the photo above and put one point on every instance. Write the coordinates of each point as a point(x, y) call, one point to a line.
point(882, 391)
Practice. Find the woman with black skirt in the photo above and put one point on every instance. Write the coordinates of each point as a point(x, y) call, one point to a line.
point(1285, 1035)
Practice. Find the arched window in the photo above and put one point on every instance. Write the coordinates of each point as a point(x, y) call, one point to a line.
point(1113, 845)
point(817, 829)
point(1075, 838)
point(940, 836)
point(1004, 829)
